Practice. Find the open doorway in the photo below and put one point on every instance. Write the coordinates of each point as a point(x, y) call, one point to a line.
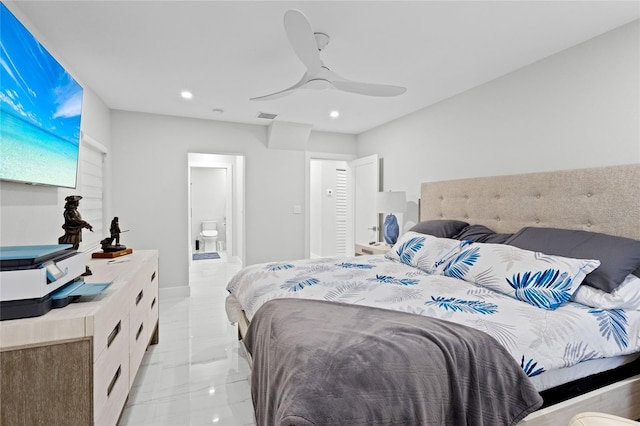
point(340, 203)
point(329, 212)
point(210, 202)
point(216, 208)
point(329, 205)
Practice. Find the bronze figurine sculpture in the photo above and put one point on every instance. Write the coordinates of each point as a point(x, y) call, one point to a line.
point(107, 243)
point(73, 222)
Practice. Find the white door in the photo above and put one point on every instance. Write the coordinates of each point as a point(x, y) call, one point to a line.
point(366, 181)
point(360, 218)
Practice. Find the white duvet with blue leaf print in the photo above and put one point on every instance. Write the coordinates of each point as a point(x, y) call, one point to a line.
point(538, 339)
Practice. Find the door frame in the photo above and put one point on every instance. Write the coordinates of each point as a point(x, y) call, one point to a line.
point(234, 164)
point(307, 193)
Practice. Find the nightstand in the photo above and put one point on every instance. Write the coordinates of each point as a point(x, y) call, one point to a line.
point(364, 249)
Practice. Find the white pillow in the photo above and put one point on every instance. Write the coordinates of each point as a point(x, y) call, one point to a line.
point(424, 251)
point(625, 296)
point(541, 280)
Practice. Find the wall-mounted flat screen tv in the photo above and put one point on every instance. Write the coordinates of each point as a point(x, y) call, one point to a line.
point(40, 112)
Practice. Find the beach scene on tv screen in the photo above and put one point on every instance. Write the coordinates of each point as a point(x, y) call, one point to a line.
point(40, 110)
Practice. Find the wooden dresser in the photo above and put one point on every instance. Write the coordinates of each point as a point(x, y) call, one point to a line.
point(75, 365)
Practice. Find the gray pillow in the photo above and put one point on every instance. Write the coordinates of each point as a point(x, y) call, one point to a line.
point(439, 228)
point(618, 256)
point(481, 234)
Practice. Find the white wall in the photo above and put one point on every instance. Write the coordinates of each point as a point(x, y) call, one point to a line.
point(150, 185)
point(578, 108)
point(32, 215)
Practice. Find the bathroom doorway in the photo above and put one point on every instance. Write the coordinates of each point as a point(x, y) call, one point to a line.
point(209, 202)
point(215, 203)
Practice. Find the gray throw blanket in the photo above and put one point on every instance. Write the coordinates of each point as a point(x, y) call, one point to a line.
point(325, 363)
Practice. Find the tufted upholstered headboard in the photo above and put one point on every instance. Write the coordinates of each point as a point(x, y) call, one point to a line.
point(603, 199)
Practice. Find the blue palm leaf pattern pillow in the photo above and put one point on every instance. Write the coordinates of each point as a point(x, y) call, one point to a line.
point(541, 280)
point(545, 289)
point(459, 265)
point(409, 248)
point(423, 251)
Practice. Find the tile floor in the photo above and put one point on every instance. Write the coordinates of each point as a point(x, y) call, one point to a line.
point(197, 374)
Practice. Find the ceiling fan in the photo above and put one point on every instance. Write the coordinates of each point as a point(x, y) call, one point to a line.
point(307, 46)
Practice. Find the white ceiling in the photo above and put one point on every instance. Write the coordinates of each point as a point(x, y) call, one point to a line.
point(139, 55)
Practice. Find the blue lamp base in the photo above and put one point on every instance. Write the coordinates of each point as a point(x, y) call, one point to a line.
point(390, 229)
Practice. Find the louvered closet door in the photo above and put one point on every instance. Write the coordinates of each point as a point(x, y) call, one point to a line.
point(90, 186)
point(341, 212)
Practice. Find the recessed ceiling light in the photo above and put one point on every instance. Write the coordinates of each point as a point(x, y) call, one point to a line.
point(334, 114)
point(186, 94)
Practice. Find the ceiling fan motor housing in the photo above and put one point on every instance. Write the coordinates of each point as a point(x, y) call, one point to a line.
point(322, 40)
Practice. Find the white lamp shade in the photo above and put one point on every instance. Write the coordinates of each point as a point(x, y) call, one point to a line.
point(391, 202)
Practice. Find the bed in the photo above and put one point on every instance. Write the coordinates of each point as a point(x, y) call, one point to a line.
point(522, 208)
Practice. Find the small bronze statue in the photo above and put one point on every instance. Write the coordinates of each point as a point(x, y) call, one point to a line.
point(73, 222)
point(107, 243)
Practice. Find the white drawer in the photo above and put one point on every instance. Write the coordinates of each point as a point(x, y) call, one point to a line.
point(111, 375)
point(107, 323)
point(140, 283)
point(152, 303)
point(138, 286)
point(139, 338)
point(138, 313)
point(109, 413)
point(141, 326)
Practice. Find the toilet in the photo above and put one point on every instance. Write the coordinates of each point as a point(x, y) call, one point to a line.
point(209, 235)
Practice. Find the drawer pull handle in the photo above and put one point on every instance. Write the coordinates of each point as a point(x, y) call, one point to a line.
point(139, 297)
point(139, 331)
point(114, 333)
point(153, 276)
point(153, 303)
point(114, 380)
point(364, 250)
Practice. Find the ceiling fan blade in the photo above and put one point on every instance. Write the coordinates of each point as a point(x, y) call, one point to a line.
point(369, 89)
point(272, 96)
point(284, 92)
point(302, 40)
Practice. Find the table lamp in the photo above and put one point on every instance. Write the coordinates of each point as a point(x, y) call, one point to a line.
point(391, 202)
